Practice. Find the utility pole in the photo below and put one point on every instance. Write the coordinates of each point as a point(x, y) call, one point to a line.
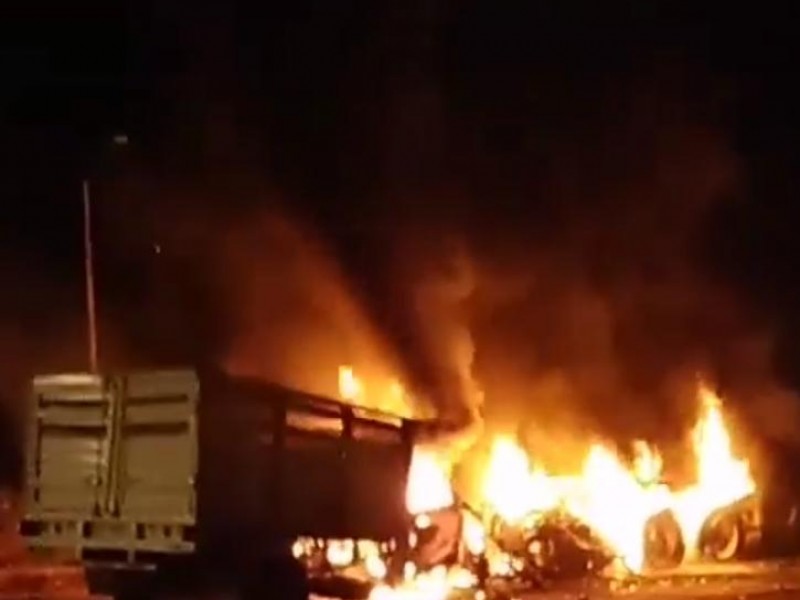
point(88, 252)
point(120, 139)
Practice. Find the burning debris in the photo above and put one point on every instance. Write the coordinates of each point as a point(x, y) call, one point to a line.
point(614, 518)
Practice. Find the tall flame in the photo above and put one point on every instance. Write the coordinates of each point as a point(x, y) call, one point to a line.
point(511, 488)
point(722, 479)
point(611, 500)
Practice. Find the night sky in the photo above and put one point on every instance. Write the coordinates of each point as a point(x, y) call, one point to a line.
point(573, 206)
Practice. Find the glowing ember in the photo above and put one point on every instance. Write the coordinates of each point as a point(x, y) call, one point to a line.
point(373, 562)
point(340, 553)
point(302, 547)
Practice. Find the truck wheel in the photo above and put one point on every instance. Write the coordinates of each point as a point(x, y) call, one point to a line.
point(721, 537)
point(664, 545)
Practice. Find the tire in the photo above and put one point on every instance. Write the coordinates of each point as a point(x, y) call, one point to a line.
point(664, 545)
point(722, 537)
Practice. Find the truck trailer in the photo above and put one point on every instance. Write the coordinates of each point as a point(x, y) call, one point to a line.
point(187, 483)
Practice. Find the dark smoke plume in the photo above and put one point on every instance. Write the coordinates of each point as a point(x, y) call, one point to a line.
point(295, 318)
point(578, 301)
point(535, 253)
point(521, 226)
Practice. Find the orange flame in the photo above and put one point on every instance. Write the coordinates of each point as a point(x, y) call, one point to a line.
point(511, 488)
point(722, 479)
point(614, 499)
point(611, 500)
point(350, 388)
point(429, 485)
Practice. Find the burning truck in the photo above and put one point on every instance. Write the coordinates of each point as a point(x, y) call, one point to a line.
point(203, 483)
point(614, 518)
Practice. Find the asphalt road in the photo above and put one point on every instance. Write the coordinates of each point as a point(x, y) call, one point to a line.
point(735, 581)
point(729, 581)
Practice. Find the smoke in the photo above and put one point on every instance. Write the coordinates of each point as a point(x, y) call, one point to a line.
point(440, 294)
point(602, 299)
point(295, 318)
point(587, 291)
point(529, 251)
point(576, 298)
point(527, 237)
point(519, 236)
point(598, 322)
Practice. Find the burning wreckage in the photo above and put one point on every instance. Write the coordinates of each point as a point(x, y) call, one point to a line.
point(615, 519)
point(199, 483)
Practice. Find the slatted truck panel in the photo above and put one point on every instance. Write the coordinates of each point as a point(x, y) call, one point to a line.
point(158, 448)
point(68, 458)
point(68, 452)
